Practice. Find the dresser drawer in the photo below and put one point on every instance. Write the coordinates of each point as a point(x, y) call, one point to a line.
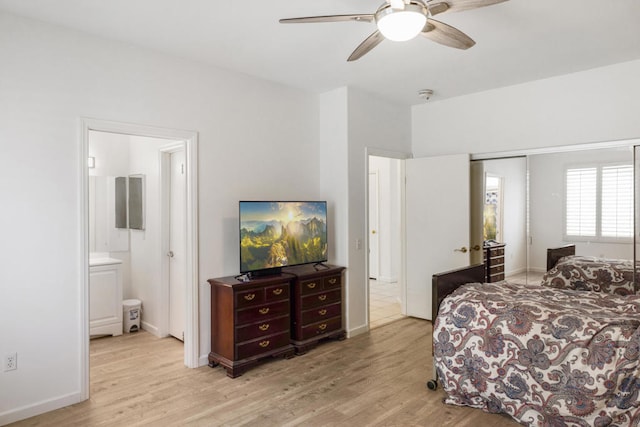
point(320, 328)
point(276, 293)
point(260, 329)
point(496, 252)
point(262, 312)
point(249, 298)
point(261, 345)
point(310, 286)
point(321, 298)
point(332, 282)
point(321, 313)
point(496, 277)
point(496, 269)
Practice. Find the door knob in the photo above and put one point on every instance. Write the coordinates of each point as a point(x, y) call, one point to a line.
point(476, 248)
point(170, 254)
point(463, 249)
point(373, 231)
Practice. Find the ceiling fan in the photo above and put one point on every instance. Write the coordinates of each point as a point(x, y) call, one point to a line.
point(401, 20)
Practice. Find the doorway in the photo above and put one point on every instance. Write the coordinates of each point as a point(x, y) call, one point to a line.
point(384, 239)
point(167, 141)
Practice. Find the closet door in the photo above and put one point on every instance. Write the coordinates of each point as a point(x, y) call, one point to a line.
point(437, 224)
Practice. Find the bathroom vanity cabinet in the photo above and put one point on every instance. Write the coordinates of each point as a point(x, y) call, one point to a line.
point(105, 296)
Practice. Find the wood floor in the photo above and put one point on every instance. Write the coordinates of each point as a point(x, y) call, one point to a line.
point(375, 379)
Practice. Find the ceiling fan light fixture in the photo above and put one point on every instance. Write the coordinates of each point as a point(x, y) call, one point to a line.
point(401, 25)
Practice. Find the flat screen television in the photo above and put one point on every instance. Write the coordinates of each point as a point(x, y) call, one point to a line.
point(276, 234)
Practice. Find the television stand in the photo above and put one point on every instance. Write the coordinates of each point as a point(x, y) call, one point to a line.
point(317, 304)
point(250, 321)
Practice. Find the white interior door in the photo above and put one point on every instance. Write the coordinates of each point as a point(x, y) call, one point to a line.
point(437, 224)
point(374, 241)
point(177, 233)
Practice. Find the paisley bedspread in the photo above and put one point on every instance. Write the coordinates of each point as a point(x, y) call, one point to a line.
point(592, 274)
point(545, 356)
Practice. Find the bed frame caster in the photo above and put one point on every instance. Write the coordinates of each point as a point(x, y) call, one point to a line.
point(432, 384)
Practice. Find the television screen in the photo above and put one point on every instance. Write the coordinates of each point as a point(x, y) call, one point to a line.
point(279, 234)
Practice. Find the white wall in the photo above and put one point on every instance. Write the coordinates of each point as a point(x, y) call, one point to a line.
point(256, 140)
point(595, 105)
point(373, 123)
point(350, 121)
point(146, 245)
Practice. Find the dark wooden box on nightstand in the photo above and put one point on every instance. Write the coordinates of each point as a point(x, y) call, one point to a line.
point(249, 321)
point(316, 305)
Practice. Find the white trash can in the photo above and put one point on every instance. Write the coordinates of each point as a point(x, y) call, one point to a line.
point(131, 311)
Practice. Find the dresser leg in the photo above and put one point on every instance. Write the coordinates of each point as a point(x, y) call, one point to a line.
point(234, 373)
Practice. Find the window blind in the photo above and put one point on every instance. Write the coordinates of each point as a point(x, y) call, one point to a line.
point(581, 202)
point(617, 201)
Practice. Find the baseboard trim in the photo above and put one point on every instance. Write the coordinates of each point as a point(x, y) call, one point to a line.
point(357, 331)
point(151, 329)
point(39, 408)
point(203, 360)
point(516, 271)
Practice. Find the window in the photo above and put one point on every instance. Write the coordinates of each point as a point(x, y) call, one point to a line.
point(599, 202)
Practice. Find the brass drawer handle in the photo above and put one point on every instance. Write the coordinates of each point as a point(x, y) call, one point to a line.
point(277, 291)
point(264, 327)
point(250, 297)
point(332, 281)
point(264, 344)
point(322, 312)
point(322, 326)
point(264, 310)
point(322, 297)
point(311, 285)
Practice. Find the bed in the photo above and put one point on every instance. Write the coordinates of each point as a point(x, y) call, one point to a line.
point(543, 355)
point(566, 270)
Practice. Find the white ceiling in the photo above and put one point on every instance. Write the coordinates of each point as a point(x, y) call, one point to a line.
point(516, 41)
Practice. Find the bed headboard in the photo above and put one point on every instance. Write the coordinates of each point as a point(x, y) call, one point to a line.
point(445, 283)
point(554, 254)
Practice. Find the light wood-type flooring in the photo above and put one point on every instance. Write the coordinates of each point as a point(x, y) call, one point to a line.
point(374, 379)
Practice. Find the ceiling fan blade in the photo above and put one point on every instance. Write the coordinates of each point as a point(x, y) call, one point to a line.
point(447, 35)
point(370, 42)
point(436, 8)
point(462, 5)
point(329, 18)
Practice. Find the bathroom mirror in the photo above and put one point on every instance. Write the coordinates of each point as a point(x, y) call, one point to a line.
point(136, 202)
point(121, 202)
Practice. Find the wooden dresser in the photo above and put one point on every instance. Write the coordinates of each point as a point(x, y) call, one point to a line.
point(250, 321)
point(494, 262)
point(316, 305)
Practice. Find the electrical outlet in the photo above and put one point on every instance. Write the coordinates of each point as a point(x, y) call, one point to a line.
point(10, 362)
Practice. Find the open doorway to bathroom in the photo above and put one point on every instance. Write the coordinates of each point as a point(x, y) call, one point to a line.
point(140, 198)
point(384, 240)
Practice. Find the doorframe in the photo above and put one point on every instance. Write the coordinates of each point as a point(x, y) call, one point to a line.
point(402, 283)
point(190, 141)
